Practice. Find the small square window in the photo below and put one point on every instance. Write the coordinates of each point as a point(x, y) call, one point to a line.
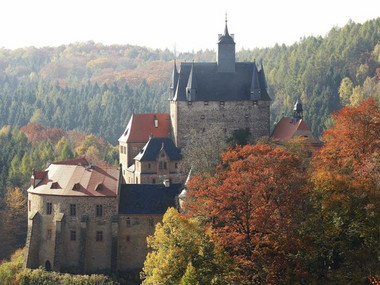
point(221, 103)
point(189, 103)
point(176, 165)
point(99, 236)
point(246, 116)
point(254, 103)
point(206, 103)
point(128, 222)
point(149, 165)
point(202, 117)
point(153, 181)
point(73, 235)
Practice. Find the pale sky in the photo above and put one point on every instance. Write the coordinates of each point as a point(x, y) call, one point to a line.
point(188, 25)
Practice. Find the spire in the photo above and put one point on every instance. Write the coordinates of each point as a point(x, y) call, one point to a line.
point(174, 81)
point(297, 111)
point(263, 81)
point(255, 84)
point(191, 88)
point(226, 28)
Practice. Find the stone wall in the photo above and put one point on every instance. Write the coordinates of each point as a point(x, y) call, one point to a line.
point(62, 252)
point(132, 245)
point(228, 115)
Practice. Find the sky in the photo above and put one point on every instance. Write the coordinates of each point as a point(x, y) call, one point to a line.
point(183, 25)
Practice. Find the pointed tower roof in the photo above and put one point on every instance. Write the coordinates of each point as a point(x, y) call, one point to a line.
point(297, 111)
point(191, 88)
point(255, 84)
point(174, 81)
point(263, 81)
point(226, 38)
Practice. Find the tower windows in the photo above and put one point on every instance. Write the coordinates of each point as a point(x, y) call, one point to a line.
point(165, 165)
point(73, 209)
point(99, 235)
point(49, 208)
point(48, 234)
point(99, 210)
point(73, 235)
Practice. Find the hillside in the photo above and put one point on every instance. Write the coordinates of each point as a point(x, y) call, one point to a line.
point(95, 88)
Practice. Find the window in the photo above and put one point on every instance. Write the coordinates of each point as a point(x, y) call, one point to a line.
point(221, 103)
point(165, 165)
point(128, 222)
point(189, 103)
point(49, 208)
point(176, 165)
point(149, 165)
point(151, 222)
point(225, 130)
point(54, 185)
point(202, 117)
point(73, 235)
point(160, 165)
point(246, 116)
point(76, 186)
point(137, 180)
point(73, 209)
point(29, 205)
point(206, 103)
point(99, 210)
point(127, 238)
point(48, 235)
point(153, 181)
point(254, 103)
point(99, 236)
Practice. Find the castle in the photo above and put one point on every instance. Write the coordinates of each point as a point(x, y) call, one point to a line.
point(85, 218)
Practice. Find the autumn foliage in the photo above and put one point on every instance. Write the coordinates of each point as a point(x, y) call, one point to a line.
point(254, 204)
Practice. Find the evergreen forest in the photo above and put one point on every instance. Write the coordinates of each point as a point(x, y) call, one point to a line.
point(60, 102)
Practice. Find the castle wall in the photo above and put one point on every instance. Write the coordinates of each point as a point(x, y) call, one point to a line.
point(57, 246)
point(228, 115)
point(132, 245)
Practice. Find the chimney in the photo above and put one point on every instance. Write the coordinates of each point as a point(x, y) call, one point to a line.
point(167, 182)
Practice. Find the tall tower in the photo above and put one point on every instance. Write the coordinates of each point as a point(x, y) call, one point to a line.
point(226, 51)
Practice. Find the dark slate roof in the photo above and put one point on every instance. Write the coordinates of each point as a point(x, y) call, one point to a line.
point(153, 147)
point(220, 86)
point(147, 199)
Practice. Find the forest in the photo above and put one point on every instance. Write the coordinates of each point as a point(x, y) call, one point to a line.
point(61, 102)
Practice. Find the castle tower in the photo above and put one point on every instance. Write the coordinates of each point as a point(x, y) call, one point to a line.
point(226, 51)
point(227, 94)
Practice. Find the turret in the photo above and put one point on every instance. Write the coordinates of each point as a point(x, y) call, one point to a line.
point(297, 111)
point(174, 81)
point(191, 88)
point(255, 85)
point(226, 52)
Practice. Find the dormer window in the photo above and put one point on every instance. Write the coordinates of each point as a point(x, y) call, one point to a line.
point(76, 187)
point(99, 187)
point(54, 185)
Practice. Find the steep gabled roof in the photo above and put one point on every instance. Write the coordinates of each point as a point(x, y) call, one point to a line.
point(147, 199)
point(141, 126)
point(75, 178)
point(219, 86)
point(153, 147)
point(288, 128)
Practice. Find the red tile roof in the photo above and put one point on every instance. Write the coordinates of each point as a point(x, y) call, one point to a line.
point(141, 126)
point(286, 129)
point(66, 174)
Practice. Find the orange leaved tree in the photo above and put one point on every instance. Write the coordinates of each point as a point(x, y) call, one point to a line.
point(346, 222)
point(255, 203)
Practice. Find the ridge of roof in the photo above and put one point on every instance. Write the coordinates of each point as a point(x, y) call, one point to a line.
point(153, 147)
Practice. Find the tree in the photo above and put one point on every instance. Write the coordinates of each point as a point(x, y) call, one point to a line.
point(255, 204)
point(346, 222)
point(345, 91)
point(14, 222)
point(182, 252)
